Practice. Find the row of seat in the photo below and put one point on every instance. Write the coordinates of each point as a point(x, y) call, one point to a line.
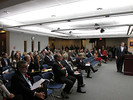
point(91, 60)
point(48, 76)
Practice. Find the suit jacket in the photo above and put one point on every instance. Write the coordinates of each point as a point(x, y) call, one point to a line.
point(69, 70)
point(3, 63)
point(118, 52)
point(80, 63)
point(58, 73)
point(89, 55)
point(48, 61)
point(20, 86)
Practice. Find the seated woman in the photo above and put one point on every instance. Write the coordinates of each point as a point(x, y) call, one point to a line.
point(97, 58)
point(105, 56)
point(101, 55)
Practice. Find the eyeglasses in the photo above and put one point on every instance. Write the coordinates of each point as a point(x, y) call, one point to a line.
point(24, 67)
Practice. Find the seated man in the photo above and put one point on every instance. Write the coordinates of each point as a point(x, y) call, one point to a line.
point(21, 84)
point(82, 66)
point(71, 72)
point(5, 61)
point(61, 75)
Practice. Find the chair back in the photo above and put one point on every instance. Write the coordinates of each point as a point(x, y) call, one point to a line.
point(47, 75)
point(36, 78)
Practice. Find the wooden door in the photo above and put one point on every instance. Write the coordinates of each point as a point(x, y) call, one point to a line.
point(2, 43)
point(101, 42)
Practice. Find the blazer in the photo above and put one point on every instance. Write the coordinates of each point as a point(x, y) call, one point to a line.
point(69, 70)
point(48, 61)
point(58, 73)
point(89, 55)
point(3, 63)
point(20, 86)
point(80, 64)
point(118, 52)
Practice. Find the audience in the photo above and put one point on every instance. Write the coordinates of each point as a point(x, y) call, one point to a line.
point(65, 70)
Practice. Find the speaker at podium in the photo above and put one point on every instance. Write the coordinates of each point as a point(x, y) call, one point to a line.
point(128, 64)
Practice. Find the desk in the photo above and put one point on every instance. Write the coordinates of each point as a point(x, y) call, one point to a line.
point(128, 65)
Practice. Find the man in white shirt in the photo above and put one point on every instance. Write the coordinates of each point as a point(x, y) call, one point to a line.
point(119, 56)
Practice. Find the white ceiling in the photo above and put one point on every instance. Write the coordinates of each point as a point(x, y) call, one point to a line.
point(69, 19)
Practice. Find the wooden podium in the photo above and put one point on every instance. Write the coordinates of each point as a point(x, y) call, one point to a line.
point(128, 65)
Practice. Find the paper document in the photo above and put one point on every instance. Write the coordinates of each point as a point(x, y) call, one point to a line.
point(4, 89)
point(87, 64)
point(37, 84)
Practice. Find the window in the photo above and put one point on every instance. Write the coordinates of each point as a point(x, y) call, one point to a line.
point(38, 45)
point(25, 46)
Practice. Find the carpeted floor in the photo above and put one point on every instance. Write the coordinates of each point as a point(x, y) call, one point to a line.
point(106, 84)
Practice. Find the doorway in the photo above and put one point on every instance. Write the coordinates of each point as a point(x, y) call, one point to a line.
point(101, 42)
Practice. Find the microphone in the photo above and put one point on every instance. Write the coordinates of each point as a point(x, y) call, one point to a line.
point(4, 89)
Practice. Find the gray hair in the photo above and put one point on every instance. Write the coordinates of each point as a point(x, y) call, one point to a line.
point(65, 55)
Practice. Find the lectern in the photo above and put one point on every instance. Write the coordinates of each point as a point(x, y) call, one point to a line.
point(128, 64)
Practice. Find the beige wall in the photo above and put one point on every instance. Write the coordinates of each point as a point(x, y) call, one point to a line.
point(60, 42)
point(109, 42)
point(88, 44)
point(130, 49)
point(115, 41)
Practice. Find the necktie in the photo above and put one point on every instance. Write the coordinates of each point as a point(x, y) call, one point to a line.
point(69, 65)
point(66, 70)
point(28, 77)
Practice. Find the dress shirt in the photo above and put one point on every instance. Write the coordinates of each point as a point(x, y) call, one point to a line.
point(122, 48)
point(6, 61)
point(69, 64)
point(27, 80)
point(65, 69)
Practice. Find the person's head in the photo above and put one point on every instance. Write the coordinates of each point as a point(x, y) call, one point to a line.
point(27, 58)
point(80, 55)
point(22, 66)
point(37, 57)
point(17, 56)
point(58, 57)
point(122, 44)
point(4, 55)
point(95, 51)
point(30, 53)
point(24, 53)
point(65, 56)
point(99, 50)
point(90, 50)
point(38, 52)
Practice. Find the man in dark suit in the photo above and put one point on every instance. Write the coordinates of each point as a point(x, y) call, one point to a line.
point(61, 76)
point(5, 61)
point(49, 61)
point(21, 84)
point(119, 56)
point(82, 66)
point(71, 72)
point(90, 54)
